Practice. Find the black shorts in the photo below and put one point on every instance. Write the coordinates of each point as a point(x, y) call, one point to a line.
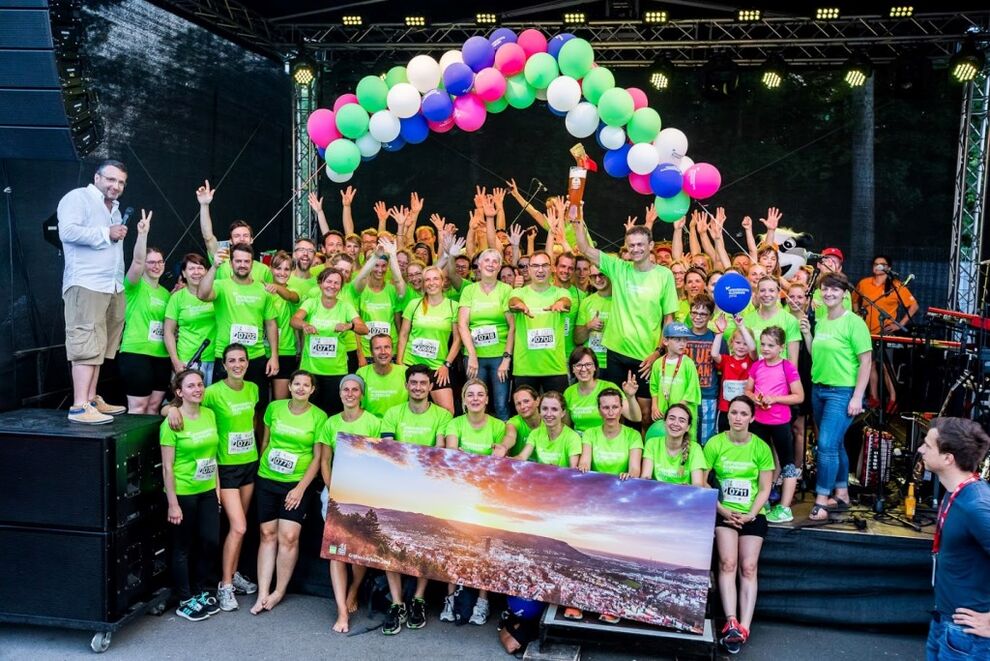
point(270, 501)
point(617, 370)
point(780, 438)
point(143, 374)
point(450, 379)
point(755, 528)
point(236, 476)
point(352, 362)
point(327, 395)
point(286, 366)
point(255, 374)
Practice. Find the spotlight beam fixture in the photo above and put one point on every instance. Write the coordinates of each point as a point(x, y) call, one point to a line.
point(773, 72)
point(857, 69)
point(967, 63)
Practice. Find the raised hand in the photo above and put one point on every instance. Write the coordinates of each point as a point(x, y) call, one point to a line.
point(721, 323)
point(144, 225)
point(531, 231)
point(558, 306)
point(415, 202)
point(488, 206)
point(498, 194)
point(457, 246)
point(347, 196)
point(400, 214)
point(438, 221)
point(680, 223)
point(747, 223)
point(717, 223)
point(630, 222)
point(388, 246)
point(513, 188)
point(479, 196)
point(315, 203)
point(381, 211)
point(631, 385)
point(651, 215)
point(515, 234)
point(772, 220)
point(702, 223)
point(204, 194)
point(695, 218)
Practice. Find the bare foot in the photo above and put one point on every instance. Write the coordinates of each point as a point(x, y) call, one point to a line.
point(352, 603)
point(259, 605)
point(341, 625)
point(272, 600)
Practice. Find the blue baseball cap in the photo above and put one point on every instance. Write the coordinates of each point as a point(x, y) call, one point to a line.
point(677, 329)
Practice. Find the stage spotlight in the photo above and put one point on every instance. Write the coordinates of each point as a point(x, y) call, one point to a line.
point(901, 11)
point(826, 13)
point(303, 72)
point(661, 73)
point(416, 21)
point(485, 18)
point(574, 18)
point(749, 15)
point(967, 63)
point(352, 21)
point(773, 72)
point(654, 17)
point(857, 69)
point(719, 77)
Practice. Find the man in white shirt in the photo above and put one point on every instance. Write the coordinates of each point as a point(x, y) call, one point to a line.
point(92, 234)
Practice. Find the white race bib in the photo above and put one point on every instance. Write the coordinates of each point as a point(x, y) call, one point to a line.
point(322, 347)
point(425, 348)
point(540, 338)
point(205, 469)
point(736, 491)
point(244, 334)
point(732, 389)
point(283, 462)
point(239, 442)
point(379, 328)
point(484, 336)
point(156, 331)
point(595, 342)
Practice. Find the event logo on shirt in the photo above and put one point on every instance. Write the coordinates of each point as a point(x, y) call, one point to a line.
point(241, 407)
point(246, 300)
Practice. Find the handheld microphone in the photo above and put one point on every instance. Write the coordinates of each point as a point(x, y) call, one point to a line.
point(813, 255)
point(197, 358)
point(127, 216)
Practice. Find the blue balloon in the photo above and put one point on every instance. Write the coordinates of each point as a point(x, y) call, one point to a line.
point(437, 105)
point(458, 78)
point(321, 151)
point(502, 36)
point(395, 145)
point(414, 130)
point(478, 53)
point(558, 113)
point(732, 293)
point(555, 44)
point(526, 609)
point(615, 161)
point(666, 180)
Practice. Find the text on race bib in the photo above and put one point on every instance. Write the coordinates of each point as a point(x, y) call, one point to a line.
point(239, 442)
point(595, 342)
point(425, 348)
point(322, 347)
point(484, 336)
point(540, 338)
point(736, 491)
point(244, 334)
point(379, 328)
point(732, 389)
point(156, 331)
point(283, 462)
point(205, 469)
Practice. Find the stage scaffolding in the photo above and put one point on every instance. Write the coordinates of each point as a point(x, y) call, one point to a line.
point(304, 102)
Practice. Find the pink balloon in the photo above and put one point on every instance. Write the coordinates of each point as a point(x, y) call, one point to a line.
point(489, 84)
point(510, 59)
point(469, 112)
point(441, 127)
point(638, 97)
point(343, 100)
point(702, 180)
point(532, 41)
point(322, 127)
point(640, 183)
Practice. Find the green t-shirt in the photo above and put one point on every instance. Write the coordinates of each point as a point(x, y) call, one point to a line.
point(291, 440)
point(429, 332)
point(782, 318)
point(737, 468)
point(286, 333)
point(349, 294)
point(673, 469)
point(476, 441)
point(367, 425)
point(234, 410)
point(241, 312)
point(403, 425)
point(383, 392)
point(144, 319)
point(378, 310)
point(570, 319)
point(486, 321)
point(523, 431)
point(836, 347)
point(557, 452)
point(583, 409)
point(670, 384)
point(323, 353)
point(640, 300)
point(195, 464)
point(611, 455)
point(195, 321)
point(539, 342)
point(304, 287)
point(259, 272)
point(590, 306)
point(657, 430)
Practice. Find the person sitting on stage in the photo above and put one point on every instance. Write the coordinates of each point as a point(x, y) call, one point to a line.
point(552, 443)
point(581, 398)
point(352, 420)
point(671, 455)
point(675, 377)
point(743, 466)
point(527, 418)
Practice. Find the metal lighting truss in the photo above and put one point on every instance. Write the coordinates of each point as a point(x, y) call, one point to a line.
point(303, 157)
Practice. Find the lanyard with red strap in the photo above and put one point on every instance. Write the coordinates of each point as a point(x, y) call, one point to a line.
point(663, 378)
point(940, 521)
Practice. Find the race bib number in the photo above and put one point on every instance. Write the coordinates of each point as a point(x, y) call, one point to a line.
point(736, 491)
point(239, 442)
point(244, 334)
point(732, 389)
point(379, 328)
point(595, 342)
point(540, 338)
point(156, 332)
point(484, 336)
point(322, 347)
point(205, 469)
point(283, 462)
point(425, 348)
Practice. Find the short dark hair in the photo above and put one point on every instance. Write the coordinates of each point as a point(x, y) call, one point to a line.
point(240, 223)
point(234, 346)
point(836, 280)
point(326, 273)
point(110, 163)
point(703, 299)
point(640, 229)
point(775, 332)
point(242, 247)
point(419, 369)
point(192, 258)
point(609, 392)
point(964, 439)
point(578, 354)
point(327, 235)
point(745, 399)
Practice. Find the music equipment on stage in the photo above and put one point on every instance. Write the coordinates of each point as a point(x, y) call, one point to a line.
point(873, 467)
point(959, 318)
point(917, 341)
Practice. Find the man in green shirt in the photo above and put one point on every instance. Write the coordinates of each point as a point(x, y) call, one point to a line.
point(593, 315)
point(563, 277)
point(384, 380)
point(303, 277)
point(240, 232)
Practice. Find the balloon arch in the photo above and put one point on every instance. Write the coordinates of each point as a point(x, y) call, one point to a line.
point(491, 74)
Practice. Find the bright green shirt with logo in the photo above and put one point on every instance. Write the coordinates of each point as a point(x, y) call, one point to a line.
point(599, 305)
point(640, 300)
point(673, 469)
point(836, 348)
point(304, 287)
point(671, 382)
point(259, 272)
point(539, 343)
point(570, 319)
point(738, 468)
point(291, 440)
point(144, 319)
point(611, 455)
point(523, 431)
point(367, 425)
point(556, 452)
point(400, 423)
point(476, 441)
point(323, 353)
point(583, 409)
point(429, 332)
point(195, 465)
point(486, 320)
point(286, 333)
point(378, 310)
point(234, 410)
point(782, 319)
point(241, 312)
point(383, 392)
point(195, 320)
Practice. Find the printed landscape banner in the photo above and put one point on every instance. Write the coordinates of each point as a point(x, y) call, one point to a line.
point(639, 549)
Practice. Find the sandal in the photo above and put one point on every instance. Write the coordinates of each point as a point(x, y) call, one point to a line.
point(839, 505)
point(816, 513)
point(573, 613)
point(608, 618)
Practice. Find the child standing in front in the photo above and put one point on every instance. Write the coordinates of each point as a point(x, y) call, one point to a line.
point(674, 377)
point(733, 367)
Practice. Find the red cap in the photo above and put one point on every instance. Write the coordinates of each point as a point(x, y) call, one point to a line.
point(833, 252)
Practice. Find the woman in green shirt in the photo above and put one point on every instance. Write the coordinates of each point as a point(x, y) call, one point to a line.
point(189, 321)
point(289, 463)
point(143, 360)
point(581, 398)
point(526, 419)
point(286, 302)
point(553, 443)
point(189, 467)
point(673, 457)
point(611, 447)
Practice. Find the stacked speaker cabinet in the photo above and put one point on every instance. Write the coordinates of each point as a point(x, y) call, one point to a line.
point(82, 520)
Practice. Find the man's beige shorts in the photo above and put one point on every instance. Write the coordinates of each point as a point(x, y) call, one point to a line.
point(94, 322)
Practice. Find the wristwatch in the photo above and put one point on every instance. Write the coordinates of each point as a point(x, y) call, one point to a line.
point(506, 354)
point(446, 364)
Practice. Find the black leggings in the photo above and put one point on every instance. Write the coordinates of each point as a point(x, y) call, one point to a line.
point(542, 384)
point(327, 395)
point(198, 535)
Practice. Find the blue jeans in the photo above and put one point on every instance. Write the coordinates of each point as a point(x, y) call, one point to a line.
point(948, 642)
point(498, 392)
point(829, 404)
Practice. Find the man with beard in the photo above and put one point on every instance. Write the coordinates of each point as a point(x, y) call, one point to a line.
point(240, 232)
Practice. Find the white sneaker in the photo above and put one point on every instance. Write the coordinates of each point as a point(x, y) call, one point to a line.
point(226, 598)
point(480, 613)
point(447, 614)
point(88, 415)
point(242, 585)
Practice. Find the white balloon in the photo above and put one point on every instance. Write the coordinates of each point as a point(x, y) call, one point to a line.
point(564, 94)
point(384, 126)
point(367, 145)
point(642, 158)
point(612, 137)
point(423, 73)
point(671, 145)
point(582, 120)
point(403, 100)
point(449, 58)
point(541, 95)
point(685, 163)
point(338, 178)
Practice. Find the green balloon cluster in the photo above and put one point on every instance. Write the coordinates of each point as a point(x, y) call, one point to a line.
point(541, 70)
point(644, 125)
point(372, 93)
point(352, 121)
point(598, 81)
point(343, 156)
point(576, 58)
point(499, 105)
point(615, 107)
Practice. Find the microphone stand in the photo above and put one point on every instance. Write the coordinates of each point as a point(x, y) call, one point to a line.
point(539, 187)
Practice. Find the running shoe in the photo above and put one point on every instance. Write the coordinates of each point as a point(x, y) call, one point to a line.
point(394, 620)
point(417, 614)
point(191, 610)
point(209, 604)
point(480, 613)
point(447, 614)
point(225, 595)
point(780, 514)
point(242, 585)
point(732, 637)
point(107, 409)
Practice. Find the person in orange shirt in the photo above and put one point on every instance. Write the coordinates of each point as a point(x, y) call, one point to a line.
point(891, 296)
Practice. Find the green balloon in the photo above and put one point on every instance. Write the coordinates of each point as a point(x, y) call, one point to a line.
point(352, 121)
point(541, 70)
point(644, 125)
point(372, 93)
point(497, 106)
point(669, 209)
point(343, 156)
point(598, 81)
point(518, 92)
point(615, 108)
point(395, 76)
point(576, 58)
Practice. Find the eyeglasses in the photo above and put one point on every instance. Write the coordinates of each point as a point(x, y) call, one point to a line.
point(700, 313)
point(157, 262)
point(305, 251)
point(539, 266)
point(584, 366)
point(522, 267)
point(597, 276)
